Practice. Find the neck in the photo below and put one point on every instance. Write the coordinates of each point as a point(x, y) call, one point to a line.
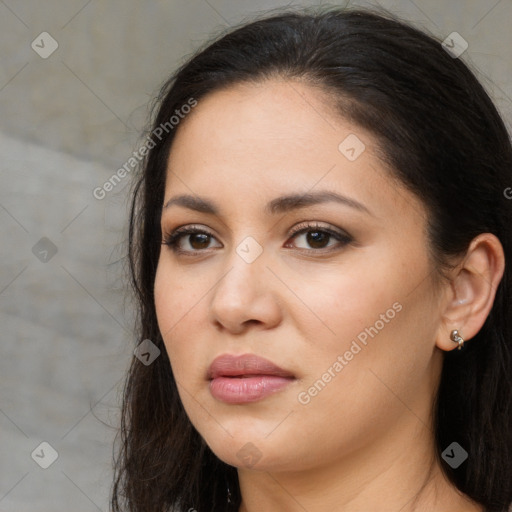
point(389, 474)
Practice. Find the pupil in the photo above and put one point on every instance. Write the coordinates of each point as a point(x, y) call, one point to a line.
point(316, 237)
point(202, 243)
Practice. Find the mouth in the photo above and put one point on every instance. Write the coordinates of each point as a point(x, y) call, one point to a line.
point(245, 378)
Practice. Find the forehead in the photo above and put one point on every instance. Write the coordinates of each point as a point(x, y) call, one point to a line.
point(278, 114)
point(256, 140)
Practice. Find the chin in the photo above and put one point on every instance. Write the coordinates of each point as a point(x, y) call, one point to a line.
point(251, 450)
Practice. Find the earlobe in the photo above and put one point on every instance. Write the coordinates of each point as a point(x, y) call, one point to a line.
point(471, 292)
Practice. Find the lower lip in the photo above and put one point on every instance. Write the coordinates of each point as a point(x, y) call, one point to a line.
point(242, 390)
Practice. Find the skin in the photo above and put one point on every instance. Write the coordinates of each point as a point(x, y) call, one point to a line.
point(365, 441)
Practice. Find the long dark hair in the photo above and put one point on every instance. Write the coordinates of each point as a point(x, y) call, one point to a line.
point(443, 139)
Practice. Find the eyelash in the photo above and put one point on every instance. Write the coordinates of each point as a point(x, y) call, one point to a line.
point(172, 239)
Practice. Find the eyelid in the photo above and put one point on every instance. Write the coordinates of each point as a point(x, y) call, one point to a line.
point(312, 225)
point(342, 236)
point(187, 229)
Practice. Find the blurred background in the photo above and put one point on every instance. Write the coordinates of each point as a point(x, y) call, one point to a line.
point(76, 81)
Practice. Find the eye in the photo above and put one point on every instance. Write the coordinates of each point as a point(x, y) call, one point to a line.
point(199, 239)
point(318, 237)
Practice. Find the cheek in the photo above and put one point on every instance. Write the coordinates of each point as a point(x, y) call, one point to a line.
point(384, 339)
point(342, 302)
point(376, 318)
point(177, 296)
point(175, 303)
point(166, 291)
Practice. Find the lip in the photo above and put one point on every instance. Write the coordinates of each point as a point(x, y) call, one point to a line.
point(245, 378)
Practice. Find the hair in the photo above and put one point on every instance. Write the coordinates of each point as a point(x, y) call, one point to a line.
point(441, 137)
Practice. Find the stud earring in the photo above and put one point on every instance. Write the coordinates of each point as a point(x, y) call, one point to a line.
point(457, 338)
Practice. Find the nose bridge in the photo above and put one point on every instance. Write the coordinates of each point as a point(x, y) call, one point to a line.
point(245, 266)
point(238, 296)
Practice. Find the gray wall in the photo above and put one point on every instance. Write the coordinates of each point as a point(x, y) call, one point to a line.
point(68, 122)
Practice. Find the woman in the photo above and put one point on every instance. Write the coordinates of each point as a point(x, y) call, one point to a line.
point(317, 243)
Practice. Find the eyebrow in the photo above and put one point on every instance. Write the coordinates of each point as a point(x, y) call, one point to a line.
point(280, 204)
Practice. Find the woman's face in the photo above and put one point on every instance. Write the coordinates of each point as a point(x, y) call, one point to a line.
point(346, 307)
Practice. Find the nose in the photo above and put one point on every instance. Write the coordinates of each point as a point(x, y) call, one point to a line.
point(245, 295)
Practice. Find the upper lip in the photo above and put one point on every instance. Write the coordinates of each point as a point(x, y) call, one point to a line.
point(227, 365)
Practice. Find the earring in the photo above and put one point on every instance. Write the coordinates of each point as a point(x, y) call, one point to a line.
point(457, 338)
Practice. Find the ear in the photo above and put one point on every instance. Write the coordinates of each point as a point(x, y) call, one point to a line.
point(471, 292)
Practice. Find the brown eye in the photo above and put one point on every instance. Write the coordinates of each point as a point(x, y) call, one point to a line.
point(198, 240)
point(318, 237)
